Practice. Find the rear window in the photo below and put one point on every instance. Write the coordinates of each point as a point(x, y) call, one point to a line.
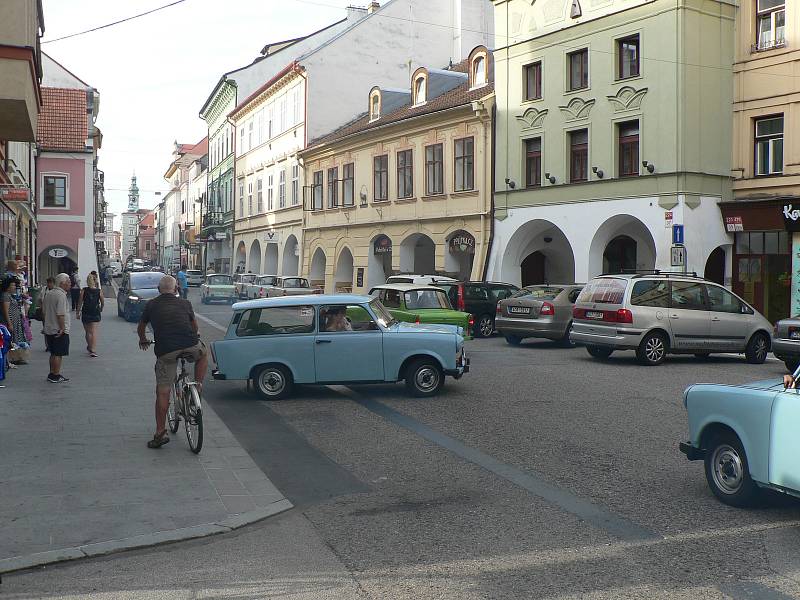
point(650, 293)
point(395, 279)
point(419, 299)
point(276, 321)
point(219, 280)
point(294, 282)
point(145, 281)
point(539, 292)
point(605, 290)
point(193, 272)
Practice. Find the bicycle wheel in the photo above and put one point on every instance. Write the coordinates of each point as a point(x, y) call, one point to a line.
point(173, 419)
point(193, 419)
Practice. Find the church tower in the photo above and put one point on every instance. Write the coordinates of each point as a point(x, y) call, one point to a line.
point(133, 195)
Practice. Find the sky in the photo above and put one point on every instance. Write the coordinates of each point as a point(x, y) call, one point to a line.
point(154, 73)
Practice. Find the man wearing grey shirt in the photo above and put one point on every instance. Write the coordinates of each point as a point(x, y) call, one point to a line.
point(55, 309)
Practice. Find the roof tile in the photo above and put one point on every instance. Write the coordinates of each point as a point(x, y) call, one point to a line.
point(63, 123)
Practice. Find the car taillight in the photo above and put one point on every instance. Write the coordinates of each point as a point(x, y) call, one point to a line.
point(547, 309)
point(498, 310)
point(471, 321)
point(578, 313)
point(460, 300)
point(624, 316)
point(261, 292)
point(416, 320)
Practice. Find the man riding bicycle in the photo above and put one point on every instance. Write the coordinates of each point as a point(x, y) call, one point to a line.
point(176, 334)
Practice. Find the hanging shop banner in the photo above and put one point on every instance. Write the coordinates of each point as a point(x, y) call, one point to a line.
point(383, 245)
point(10, 193)
point(58, 252)
point(462, 243)
point(791, 217)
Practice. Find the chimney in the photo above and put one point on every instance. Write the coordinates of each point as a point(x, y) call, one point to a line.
point(372, 7)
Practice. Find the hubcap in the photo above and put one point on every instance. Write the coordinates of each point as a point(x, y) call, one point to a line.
point(728, 471)
point(486, 326)
point(654, 350)
point(272, 382)
point(427, 378)
point(761, 348)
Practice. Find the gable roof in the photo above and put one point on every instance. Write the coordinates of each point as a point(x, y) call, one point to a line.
point(63, 123)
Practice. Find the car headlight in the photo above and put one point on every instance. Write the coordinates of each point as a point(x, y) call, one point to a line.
point(134, 298)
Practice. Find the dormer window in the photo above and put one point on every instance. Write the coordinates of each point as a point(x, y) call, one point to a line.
point(374, 105)
point(479, 67)
point(420, 91)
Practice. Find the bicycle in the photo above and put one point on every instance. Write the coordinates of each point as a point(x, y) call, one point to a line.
point(184, 402)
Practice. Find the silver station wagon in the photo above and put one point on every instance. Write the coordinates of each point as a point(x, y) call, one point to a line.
point(658, 313)
point(334, 339)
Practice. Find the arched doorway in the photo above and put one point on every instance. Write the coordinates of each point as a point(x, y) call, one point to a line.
point(241, 258)
point(343, 278)
point(379, 263)
point(254, 264)
point(418, 255)
point(316, 273)
point(291, 256)
point(56, 259)
point(538, 252)
point(460, 254)
point(715, 266)
point(622, 242)
point(271, 260)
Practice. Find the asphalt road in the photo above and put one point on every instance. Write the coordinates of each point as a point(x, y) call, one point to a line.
point(541, 474)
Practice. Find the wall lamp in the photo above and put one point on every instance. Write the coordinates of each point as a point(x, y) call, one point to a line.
point(511, 183)
point(598, 172)
point(649, 166)
point(550, 178)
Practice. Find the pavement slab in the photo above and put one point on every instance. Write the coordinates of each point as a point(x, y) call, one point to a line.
point(77, 478)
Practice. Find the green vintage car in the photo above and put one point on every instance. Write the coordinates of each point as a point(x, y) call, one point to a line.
point(421, 304)
point(217, 288)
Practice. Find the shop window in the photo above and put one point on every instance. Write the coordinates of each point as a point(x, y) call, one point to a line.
point(434, 169)
point(405, 174)
point(464, 158)
point(533, 81)
point(770, 24)
point(578, 70)
point(380, 177)
point(533, 162)
point(769, 146)
point(579, 155)
point(628, 57)
point(55, 191)
point(628, 148)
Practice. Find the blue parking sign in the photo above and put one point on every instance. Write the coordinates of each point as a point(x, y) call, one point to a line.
point(677, 235)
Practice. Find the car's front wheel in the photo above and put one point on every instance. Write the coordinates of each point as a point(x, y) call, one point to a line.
point(485, 326)
point(652, 350)
point(757, 349)
point(273, 382)
point(727, 471)
point(424, 377)
point(599, 351)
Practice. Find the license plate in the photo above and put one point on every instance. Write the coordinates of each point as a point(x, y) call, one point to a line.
point(594, 314)
point(520, 310)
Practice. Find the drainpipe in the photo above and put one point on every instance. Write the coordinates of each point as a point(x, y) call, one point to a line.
point(491, 195)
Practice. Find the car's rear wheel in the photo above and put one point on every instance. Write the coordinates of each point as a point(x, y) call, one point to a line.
point(652, 350)
point(273, 382)
point(485, 326)
point(513, 340)
point(757, 349)
point(599, 351)
point(565, 341)
point(424, 377)
point(727, 471)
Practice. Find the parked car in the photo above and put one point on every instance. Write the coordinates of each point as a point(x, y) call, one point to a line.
point(660, 313)
point(419, 279)
point(479, 298)
point(260, 287)
point(786, 342)
point(217, 288)
point(421, 304)
point(543, 311)
point(194, 277)
point(241, 281)
point(135, 290)
point(292, 286)
point(747, 437)
point(279, 342)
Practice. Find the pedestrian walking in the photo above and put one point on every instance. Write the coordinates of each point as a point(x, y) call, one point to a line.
point(74, 288)
point(90, 308)
point(183, 282)
point(56, 325)
point(12, 316)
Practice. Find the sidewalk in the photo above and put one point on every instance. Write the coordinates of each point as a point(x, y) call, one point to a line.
point(76, 477)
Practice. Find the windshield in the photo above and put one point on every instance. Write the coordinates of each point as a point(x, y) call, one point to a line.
point(538, 292)
point(384, 317)
point(295, 282)
point(145, 281)
point(604, 290)
point(219, 280)
point(426, 299)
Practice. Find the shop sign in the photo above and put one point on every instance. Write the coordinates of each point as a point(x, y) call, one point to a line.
point(99, 237)
point(14, 194)
point(58, 252)
point(360, 277)
point(221, 235)
point(462, 243)
point(791, 217)
point(272, 237)
point(667, 219)
point(733, 224)
point(383, 245)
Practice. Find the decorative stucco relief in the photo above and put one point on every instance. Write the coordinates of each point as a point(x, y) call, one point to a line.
point(553, 10)
point(533, 118)
point(627, 98)
point(577, 108)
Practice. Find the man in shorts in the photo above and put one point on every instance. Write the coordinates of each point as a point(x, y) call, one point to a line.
point(176, 333)
point(55, 311)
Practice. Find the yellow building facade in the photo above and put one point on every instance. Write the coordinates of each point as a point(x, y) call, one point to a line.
point(406, 187)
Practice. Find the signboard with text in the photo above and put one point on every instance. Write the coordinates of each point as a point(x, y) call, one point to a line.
point(733, 224)
point(677, 234)
point(791, 217)
point(677, 256)
point(14, 194)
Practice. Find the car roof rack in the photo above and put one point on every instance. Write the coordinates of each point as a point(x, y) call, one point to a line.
point(650, 272)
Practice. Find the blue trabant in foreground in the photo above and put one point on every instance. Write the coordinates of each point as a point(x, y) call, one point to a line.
point(748, 436)
point(334, 339)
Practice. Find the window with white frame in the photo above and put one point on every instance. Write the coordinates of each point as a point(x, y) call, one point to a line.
point(282, 115)
point(333, 187)
point(270, 192)
point(770, 24)
point(297, 107)
point(282, 188)
point(479, 71)
point(420, 92)
point(374, 106)
point(260, 195)
point(260, 127)
point(270, 121)
point(241, 139)
point(348, 184)
point(241, 198)
point(250, 198)
point(316, 191)
point(55, 191)
point(769, 145)
point(295, 184)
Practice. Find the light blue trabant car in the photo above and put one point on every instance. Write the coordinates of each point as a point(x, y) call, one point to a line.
point(747, 435)
point(334, 339)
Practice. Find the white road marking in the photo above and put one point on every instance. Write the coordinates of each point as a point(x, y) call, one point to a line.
point(214, 324)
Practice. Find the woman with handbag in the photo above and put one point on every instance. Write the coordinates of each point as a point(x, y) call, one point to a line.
point(12, 318)
point(90, 308)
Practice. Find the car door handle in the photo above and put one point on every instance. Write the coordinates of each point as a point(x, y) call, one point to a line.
point(715, 319)
point(324, 341)
point(674, 316)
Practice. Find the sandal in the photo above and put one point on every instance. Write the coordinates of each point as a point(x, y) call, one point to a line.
point(158, 440)
point(93, 354)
